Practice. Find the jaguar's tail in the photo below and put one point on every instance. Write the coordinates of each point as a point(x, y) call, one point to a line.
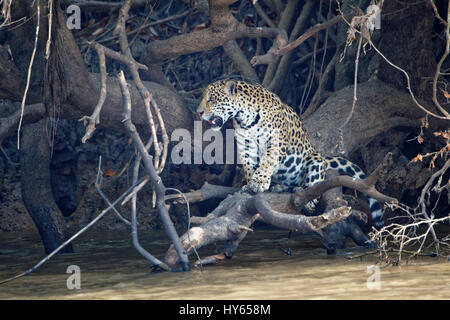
point(347, 167)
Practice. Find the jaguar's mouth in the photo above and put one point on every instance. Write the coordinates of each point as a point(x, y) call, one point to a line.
point(216, 122)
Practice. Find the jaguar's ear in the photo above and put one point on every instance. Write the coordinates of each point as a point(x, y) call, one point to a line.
point(230, 87)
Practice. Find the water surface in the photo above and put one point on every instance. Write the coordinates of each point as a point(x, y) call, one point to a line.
point(112, 269)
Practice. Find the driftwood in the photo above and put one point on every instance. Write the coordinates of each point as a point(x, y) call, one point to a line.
point(234, 216)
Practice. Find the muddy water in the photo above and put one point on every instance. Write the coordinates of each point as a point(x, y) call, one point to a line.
point(111, 269)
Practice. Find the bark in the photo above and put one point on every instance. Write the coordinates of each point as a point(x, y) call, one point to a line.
point(10, 82)
point(36, 188)
point(278, 80)
point(407, 42)
point(223, 31)
point(21, 44)
point(32, 113)
point(232, 219)
point(70, 86)
point(405, 39)
point(379, 108)
point(68, 78)
point(231, 48)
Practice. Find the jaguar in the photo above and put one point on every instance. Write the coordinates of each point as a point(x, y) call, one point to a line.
point(272, 143)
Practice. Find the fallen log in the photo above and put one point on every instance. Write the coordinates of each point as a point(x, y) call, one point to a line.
point(234, 216)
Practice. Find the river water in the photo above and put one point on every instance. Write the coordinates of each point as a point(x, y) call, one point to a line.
point(110, 268)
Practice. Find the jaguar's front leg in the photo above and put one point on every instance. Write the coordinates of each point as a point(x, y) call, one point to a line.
point(261, 178)
point(258, 182)
point(249, 158)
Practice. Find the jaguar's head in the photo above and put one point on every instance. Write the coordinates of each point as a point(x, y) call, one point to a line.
point(219, 103)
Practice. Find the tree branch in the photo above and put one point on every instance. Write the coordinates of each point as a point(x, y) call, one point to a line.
point(224, 28)
point(233, 51)
point(32, 113)
point(156, 180)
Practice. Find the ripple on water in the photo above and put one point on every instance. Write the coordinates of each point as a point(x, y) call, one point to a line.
point(111, 269)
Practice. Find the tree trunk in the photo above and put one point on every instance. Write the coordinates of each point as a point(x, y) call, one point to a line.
point(36, 188)
point(407, 42)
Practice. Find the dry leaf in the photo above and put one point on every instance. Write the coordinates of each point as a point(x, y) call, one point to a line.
point(419, 139)
point(446, 94)
point(200, 26)
point(444, 135)
point(109, 172)
point(424, 122)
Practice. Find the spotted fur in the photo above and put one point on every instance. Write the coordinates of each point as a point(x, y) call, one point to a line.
point(272, 141)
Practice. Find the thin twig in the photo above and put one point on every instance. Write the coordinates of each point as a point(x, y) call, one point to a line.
point(144, 26)
point(316, 98)
point(263, 15)
point(50, 20)
point(141, 27)
point(76, 235)
point(312, 31)
point(164, 135)
point(425, 191)
point(156, 180)
point(22, 106)
point(98, 184)
point(91, 121)
point(325, 47)
point(408, 84)
point(441, 61)
point(311, 74)
point(120, 31)
point(6, 12)
point(189, 221)
point(355, 98)
point(134, 231)
point(128, 61)
point(361, 21)
point(138, 187)
point(404, 235)
point(436, 13)
point(7, 157)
